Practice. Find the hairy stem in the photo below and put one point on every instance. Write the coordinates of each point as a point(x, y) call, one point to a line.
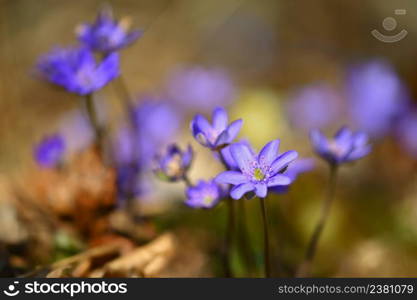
point(267, 260)
point(244, 239)
point(229, 238)
point(230, 228)
point(93, 118)
point(304, 270)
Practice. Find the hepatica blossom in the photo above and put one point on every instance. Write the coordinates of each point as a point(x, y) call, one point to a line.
point(345, 146)
point(219, 133)
point(377, 96)
point(174, 163)
point(135, 148)
point(205, 194)
point(76, 69)
point(306, 107)
point(257, 172)
point(200, 88)
point(107, 34)
point(50, 151)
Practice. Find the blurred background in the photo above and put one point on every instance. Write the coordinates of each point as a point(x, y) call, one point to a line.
point(284, 67)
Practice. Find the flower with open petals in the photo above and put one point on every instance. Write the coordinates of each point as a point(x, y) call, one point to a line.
point(174, 164)
point(205, 194)
point(346, 145)
point(50, 151)
point(77, 71)
point(219, 133)
point(107, 34)
point(257, 172)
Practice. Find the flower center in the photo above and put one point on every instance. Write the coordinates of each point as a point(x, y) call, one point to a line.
point(207, 200)
point(336, 149)
point(173, 167)
point(258, 174)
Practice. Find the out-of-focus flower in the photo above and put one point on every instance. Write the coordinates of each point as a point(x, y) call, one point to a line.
point(257, 172)
point(346, 145)
point(50, 151)
point(314, 106)
point(174, 163)
point(155, 125)
point(107, 34)
point(294, 169)
point(406, 131)
point(199, 88)
point(219, 133)
point(376, 97)
point(76, 69)
point(129, 182)
point(135, 147)
point(205, 194)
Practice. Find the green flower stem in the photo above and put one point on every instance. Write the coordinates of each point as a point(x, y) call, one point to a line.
point(230, 231)
point(123, 92)
point(304, 270)
point(267, 260)
point(229, 237)
point(93, 118)
point(186, 180)
point(243, 235)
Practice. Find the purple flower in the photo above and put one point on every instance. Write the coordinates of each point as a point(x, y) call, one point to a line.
point(174, 163)
point(76, 69)
point(406, 131)
point(128, 181)
point(206, 194)
point(346, 145)
point(257, 172)
point(50, 151)
point(134, 147)
point(306, 107)
point(106, 34)
point(199, 88)
point(219, 133)
point(376, 97)
point(294, 169)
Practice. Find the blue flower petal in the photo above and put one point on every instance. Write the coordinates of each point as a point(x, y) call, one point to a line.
point(219, 119)
point(242, 155)
point(343, 136)
point(269, 153)
point(231, 177)
point(283, 160)
point(358, 153)
point(298, 167)
point(279, 179)
point(319, 140)
point(360, 139)
point(222, 139)
point(233, 129)
point(261, 190)
point(238, 191)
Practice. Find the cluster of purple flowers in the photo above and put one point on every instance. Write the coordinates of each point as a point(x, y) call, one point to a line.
point(79, 71)
point(248, 173)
